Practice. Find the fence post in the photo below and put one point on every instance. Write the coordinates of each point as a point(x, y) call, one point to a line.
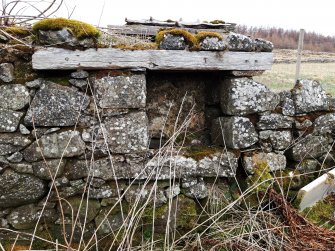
point(300, 47)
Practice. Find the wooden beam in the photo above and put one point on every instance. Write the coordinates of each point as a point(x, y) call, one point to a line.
point(110, 58)
point(150, 31)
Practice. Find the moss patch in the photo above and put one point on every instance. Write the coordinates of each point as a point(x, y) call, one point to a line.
point(200, 36)
point(143, 46)
point(79, 29)
point(322, 213)
point(217, 21)
point(189, 37)
point(199, 152)
point(262, 179)
point(18, 31)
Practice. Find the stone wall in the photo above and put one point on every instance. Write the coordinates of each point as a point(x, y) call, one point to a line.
point(125, 139)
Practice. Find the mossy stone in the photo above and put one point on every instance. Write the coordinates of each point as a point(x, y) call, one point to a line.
point(80, 205)
point(79, 29)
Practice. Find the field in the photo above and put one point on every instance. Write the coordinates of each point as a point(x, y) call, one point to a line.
point(318, 66)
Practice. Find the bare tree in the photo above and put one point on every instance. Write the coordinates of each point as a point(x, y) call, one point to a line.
point(22, 11)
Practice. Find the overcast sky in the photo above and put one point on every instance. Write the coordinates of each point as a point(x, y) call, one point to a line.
point(316, 15)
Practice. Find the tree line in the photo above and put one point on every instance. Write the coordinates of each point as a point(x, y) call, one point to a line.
point(288, 39)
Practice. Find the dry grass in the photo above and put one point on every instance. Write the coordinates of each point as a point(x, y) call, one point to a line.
point(281, 77)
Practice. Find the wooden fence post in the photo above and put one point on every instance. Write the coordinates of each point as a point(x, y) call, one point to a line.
point(300, 47)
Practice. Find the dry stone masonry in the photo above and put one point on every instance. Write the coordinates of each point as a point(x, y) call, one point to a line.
point(117, 135)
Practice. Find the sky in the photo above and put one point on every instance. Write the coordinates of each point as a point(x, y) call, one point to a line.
point(318, 16)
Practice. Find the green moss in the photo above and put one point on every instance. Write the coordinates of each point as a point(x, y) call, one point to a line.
point(142, 46)
point(23, 73)
point(79, 29)
point(217, 21)
point(59, 80)
point(200, 152)
point(261, 179)
point(200, 36)
point(189, 37)
point(322, 213)
point(18, 31)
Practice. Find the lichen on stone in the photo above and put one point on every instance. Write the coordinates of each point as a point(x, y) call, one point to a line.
point(78, 28)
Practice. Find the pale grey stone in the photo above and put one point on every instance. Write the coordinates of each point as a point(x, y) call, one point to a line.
point(286, 103)
point(9, 120)
point(26, 217)
point(212, 44)
point(14, 97)
point(55, 105)
point(45, 169)
point(106, 169)
point(37, 83)
point(309, 96)
point(274, 121)
point(121, 91)
point(128, 133)
point(12, 142)
point(77, 206)
point(188, 181)
point(108, 222)
point(15, 157)
point(171, 167)
point(3, 164)
point(102, 192)
point(80, 74)
point(172, 42)
point(6, 72)
point(24, 130)
point(239, 42)
point(198, 191)
point(19, 189)
point(52, 130)
point(145, 193)
point(57, 145)
point(219, 164)
point(60, 182)
point(309, 147)
point(63, 37)
point(22, 168)
point(80, 83)
point(308, 165)
point(273, 160)
point(172, 191)
point(263, 45)
point(233, 132)
point(241, 96)
point(279, 140)
point(325, 124)
point(303, 125)
point(95, 182)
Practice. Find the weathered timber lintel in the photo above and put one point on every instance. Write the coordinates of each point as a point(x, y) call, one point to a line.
point(109, 58)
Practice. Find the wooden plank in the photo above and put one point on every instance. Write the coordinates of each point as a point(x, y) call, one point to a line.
point(150, 31)
point(246, 73)
point(195, 25)
point(316, 190)
point(110, 58)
